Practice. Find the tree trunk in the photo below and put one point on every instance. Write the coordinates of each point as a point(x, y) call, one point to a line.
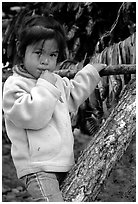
point(85, 179)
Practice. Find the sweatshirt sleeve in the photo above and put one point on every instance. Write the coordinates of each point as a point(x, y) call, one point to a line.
point(81, 86)
point(29, 109)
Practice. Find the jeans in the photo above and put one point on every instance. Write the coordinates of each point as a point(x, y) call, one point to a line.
point(44, 186)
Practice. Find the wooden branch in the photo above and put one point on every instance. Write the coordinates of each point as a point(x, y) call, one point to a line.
point(87, 176)
point(109, 70)
point(119, 69)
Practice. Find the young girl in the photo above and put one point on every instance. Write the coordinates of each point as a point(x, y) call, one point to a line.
point(37, 103)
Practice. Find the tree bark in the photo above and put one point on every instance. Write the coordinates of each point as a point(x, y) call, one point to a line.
point(119, 69)
point(85, 179)
point(109, 70)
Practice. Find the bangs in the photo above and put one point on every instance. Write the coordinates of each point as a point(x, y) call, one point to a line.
point(36, 33)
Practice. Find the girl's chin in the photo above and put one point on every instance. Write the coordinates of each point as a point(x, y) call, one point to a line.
point(36, 76)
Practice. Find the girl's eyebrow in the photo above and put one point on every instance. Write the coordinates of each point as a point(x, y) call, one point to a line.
point(37, 47)
point(56, 51)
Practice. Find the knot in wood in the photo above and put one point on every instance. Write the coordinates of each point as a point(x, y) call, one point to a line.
point(80, 196)
point(110, 139)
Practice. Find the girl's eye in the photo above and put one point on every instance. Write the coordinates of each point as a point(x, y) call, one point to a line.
point(38, 53)
point(54, 55)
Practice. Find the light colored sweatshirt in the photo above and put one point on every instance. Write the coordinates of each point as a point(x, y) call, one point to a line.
point(38, 121)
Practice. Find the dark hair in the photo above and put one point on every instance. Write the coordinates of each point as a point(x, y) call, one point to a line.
point(36, 28)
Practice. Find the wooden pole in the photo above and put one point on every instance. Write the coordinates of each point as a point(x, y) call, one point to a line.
point(109, 70)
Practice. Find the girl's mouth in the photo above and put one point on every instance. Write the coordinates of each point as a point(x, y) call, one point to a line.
point(41, 70)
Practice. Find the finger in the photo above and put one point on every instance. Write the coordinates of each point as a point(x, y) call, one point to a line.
point(42, 73)
point(46, 71)
point(103, 64)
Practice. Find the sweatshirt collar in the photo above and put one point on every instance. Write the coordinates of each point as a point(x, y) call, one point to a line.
point(20, 69)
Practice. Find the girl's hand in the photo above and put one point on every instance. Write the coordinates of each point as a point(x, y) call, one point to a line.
point(49, 76)
point(99, 67)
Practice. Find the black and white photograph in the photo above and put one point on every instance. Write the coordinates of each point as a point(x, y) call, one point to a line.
point(68, 101)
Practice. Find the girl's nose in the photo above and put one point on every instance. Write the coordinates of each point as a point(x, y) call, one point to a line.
point(44, 60)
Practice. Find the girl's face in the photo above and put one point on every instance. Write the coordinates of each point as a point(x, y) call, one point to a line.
point(41, 56)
